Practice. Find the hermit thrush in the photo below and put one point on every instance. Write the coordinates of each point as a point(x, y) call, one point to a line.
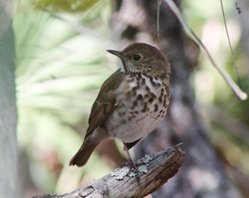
point(131, 102)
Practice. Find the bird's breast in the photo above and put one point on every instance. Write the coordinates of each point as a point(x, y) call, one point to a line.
point(142, 103)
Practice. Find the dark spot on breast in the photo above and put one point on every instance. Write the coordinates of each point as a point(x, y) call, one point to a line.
point(141, 118)
point(162, 90)
point(146, 96)
point(156, 107)
point(139, 97)
point(152, 97)
point(134, 91)
point(162, 94)
point(138, 83)
point(132, 113)
point(162, 113)
point(152, 81)
point(143, 81)
point(145, 107)
point(151, 100)
point(147, 89)
point(131, 117)
point(135, 102)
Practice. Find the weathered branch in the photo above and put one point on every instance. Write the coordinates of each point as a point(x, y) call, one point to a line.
point(154, 170)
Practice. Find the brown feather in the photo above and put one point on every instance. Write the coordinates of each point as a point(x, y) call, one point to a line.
point(105, 102)
point(101, 109)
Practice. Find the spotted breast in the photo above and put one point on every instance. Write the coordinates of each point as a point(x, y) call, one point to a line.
point(142, 103)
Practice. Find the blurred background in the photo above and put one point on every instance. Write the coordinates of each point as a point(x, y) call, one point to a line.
point(61, 62)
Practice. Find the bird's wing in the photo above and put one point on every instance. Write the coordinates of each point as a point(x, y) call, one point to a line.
point(105, 102)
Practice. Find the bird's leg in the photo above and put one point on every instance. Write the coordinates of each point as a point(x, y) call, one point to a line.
point(131, 163)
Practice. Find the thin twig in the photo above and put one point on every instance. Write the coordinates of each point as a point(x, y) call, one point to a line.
point(238, 92)
point(230, 45)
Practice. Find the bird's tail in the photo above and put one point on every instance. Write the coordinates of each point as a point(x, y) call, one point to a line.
point(83, 154)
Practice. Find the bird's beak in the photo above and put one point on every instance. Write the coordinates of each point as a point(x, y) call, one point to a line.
point(117, 53)
point(121, 56)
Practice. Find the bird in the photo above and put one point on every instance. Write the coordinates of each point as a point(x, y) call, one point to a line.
point(131, 102)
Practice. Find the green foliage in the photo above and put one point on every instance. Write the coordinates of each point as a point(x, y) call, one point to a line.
point(65, 5)
point(60, 66)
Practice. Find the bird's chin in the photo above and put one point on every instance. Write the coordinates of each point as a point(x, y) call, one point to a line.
point(123, 69)
point(133, 71)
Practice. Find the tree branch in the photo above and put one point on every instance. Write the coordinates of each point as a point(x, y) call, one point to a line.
point(154, 171)
point(235, 88)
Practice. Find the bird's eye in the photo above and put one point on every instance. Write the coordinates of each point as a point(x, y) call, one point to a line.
point(136, 57)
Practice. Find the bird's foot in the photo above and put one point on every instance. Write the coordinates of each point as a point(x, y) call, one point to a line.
point(133, 169)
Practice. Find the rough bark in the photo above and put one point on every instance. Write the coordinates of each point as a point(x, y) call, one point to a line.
point(8, 116)
point(203, 174)
point(154, 170)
